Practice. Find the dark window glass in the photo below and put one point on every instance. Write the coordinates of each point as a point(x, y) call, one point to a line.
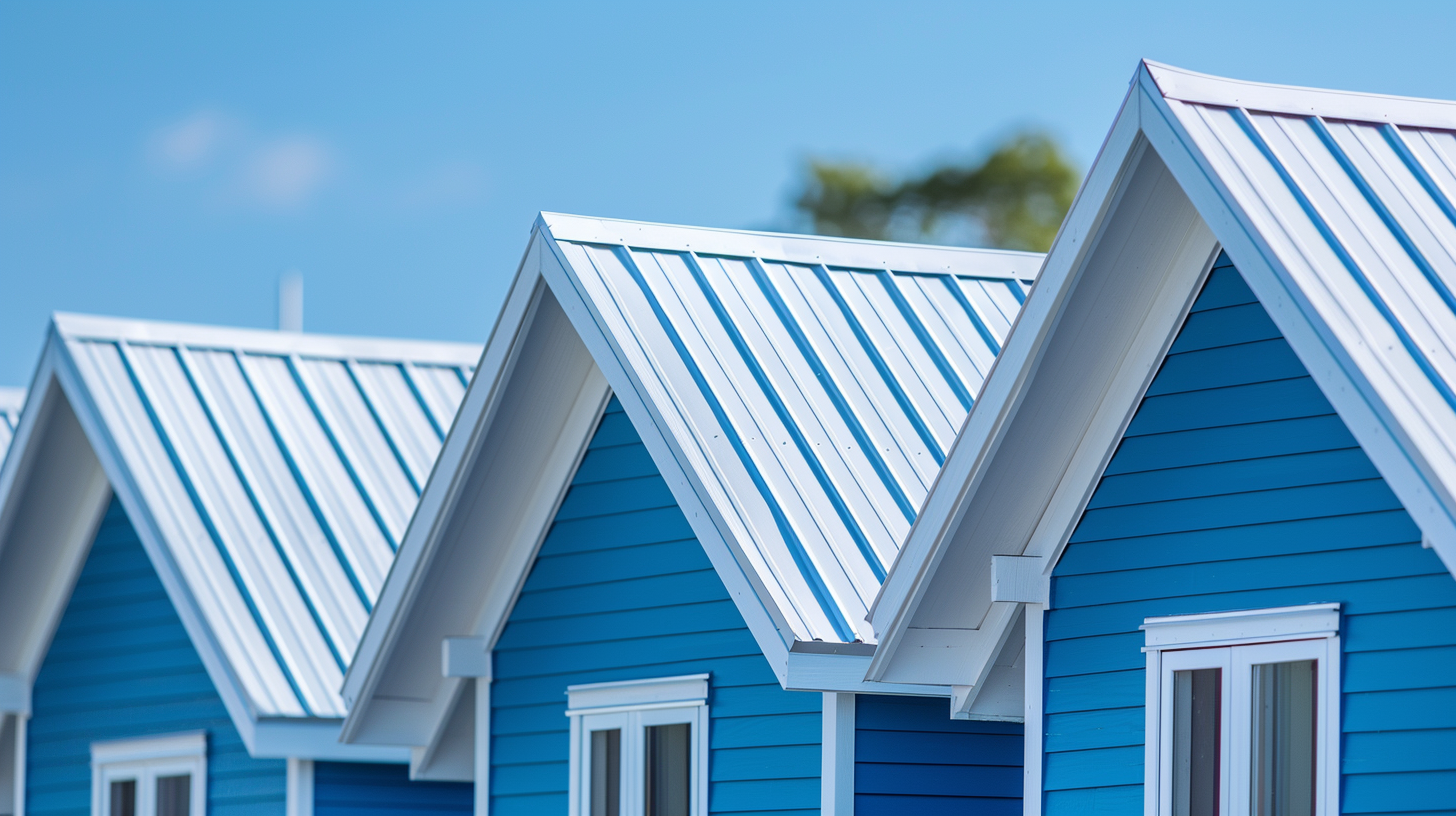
point(669, 775)
point(123, 797)
point(1196, 707)
point(606, 772)
point(1282, 773)
point(174, 795)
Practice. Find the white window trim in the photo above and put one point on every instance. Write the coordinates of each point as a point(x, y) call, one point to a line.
point(635, 704)
point(1274, 635)
point(146, 758)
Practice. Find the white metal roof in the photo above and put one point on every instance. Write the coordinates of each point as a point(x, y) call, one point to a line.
point(11, 400)
point(1353, 197)
point(280, 470)
point(818, 384)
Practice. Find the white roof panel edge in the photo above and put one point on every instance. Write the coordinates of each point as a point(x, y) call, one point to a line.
point(801, 249)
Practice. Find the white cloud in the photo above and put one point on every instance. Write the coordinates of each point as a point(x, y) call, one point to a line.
point(192, 142)
point(233, 164)
point(286, 172)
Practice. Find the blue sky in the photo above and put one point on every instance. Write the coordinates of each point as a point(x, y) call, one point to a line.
point(172, 160)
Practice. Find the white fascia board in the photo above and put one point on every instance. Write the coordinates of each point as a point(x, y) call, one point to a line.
point(844, 674)
point(421, 537)
point(143, 332)
point(804, 249)
point(1189, 86)
point(315, 739)
point(1005, 384)
point(1303, 313)
point(765, 619)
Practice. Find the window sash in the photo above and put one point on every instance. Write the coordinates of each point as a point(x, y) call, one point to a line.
point(633, 725)
point(1236, 662)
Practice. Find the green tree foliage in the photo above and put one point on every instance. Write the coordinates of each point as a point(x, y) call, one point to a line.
point(1015, 198)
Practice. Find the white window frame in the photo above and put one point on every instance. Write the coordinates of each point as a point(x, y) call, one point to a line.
point(632, 706)
point(144, 760)
point(1235, 642)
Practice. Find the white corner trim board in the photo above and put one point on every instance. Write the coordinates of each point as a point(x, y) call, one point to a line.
point(836, 773)
point(299, 793)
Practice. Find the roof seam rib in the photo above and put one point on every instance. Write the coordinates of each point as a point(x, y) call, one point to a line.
point(186, 480)
point(206, 401)
point(770, 392)
point(892, 382)
point(296, 369)
point(836, 395)
point(802, 559)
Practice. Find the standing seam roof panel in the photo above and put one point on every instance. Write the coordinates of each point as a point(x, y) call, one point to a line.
point(1361, 211)
point(250, 484)
point(823, 398)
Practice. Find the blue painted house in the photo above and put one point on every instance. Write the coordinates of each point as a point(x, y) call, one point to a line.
point(194, 525)
point(638, 579)
point(1213, 477)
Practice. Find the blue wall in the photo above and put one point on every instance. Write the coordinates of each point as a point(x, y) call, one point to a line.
point(121, 666)
point(1238, 487)
point(358, 789)
point(910, 757)
point(622, 590)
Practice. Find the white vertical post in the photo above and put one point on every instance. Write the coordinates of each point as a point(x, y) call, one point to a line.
point(482, 746)
point(290, 302)
point(22, 720)
point(299, 800)
point(1033, 728)
point(836, 776)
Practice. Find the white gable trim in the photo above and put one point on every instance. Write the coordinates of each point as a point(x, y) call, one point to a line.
point(503, 548)
point(1190, 86)
point(1038, 515)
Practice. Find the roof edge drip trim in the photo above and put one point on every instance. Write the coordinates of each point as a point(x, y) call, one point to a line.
point(1205, 89)
point(796, 249)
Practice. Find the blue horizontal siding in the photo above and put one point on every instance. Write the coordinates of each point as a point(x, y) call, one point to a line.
point(621, 590)
point(1237, 486)
point(362, 789)
point(120, 666)
point(910, 757)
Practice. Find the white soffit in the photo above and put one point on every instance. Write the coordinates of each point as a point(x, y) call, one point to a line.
point(279, 471)
point(812, 386)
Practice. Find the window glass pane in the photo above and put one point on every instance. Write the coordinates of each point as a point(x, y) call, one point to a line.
point(606, 772)
point(1282, 774)
point(174, 795)
point(1196, 707)
point(669, 775)
point(123, 797)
